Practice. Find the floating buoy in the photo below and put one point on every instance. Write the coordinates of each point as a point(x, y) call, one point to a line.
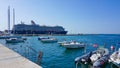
point(95, 45)
point(112, 47)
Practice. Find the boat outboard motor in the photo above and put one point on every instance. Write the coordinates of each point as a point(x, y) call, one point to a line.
point(84, 59)
point(101, 61)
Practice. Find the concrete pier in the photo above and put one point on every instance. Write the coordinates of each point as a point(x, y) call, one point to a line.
point(11, 59)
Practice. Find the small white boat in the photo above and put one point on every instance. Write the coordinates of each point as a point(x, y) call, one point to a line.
point(115, 58)
point(49, 40)
point(15, 40)
point(73, 44)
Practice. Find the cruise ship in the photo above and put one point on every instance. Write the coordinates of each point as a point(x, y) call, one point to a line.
point(34, 28)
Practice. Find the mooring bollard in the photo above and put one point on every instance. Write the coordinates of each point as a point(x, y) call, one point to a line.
point(40, 54)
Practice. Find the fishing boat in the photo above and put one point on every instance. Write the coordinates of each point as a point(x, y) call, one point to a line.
point(98, 57)
point(115, 58)
point(15, 40)
point(73, 44)
point(48, 40)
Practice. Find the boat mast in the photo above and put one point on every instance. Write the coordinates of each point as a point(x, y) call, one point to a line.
point(8, 19)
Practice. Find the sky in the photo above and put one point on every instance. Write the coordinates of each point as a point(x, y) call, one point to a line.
point(76, 16)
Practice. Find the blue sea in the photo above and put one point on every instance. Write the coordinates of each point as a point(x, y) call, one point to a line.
point(56, 56)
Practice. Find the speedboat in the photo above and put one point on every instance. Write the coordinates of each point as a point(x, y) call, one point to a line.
point(98, 57)
point(48, 40)
point(73, 44)
point(15, 40)
point(115, 58)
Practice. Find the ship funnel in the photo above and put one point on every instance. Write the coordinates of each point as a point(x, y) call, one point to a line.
point(32, 22)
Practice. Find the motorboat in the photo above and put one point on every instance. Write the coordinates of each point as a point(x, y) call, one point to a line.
point(48, 40)
point(15, 40)
point(97, 58)
point(115, 58)
point(73, 44)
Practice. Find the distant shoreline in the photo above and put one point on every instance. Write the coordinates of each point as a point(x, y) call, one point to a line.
point(61, 34)
point(58, 34)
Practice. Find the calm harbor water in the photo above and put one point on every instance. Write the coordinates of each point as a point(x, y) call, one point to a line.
point(56, 56)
